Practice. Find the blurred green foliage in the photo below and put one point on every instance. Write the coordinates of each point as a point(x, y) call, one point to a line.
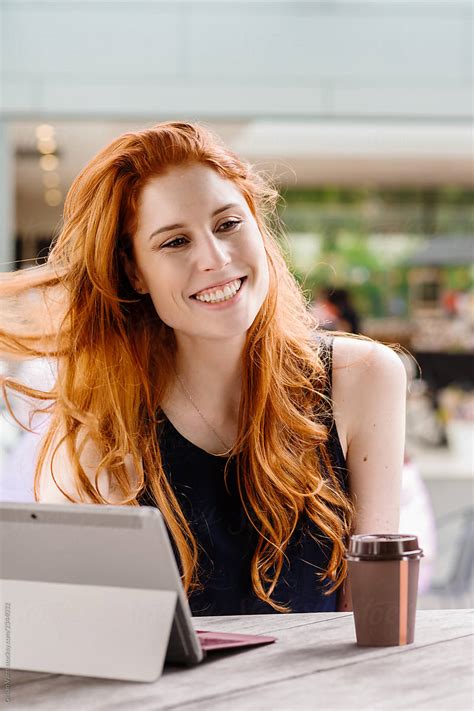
point(364, 235)
point(448, 210)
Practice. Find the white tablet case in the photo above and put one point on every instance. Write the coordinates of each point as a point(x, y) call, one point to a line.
point(85, 630)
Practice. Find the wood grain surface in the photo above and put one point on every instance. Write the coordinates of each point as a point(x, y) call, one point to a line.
point(315, 664)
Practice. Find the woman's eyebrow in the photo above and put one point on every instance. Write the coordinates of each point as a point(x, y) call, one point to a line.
point(179, 226)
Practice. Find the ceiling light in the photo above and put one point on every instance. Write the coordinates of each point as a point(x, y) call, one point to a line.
point(48, 162)
point(53, 197)
point(44, 132)
point(46, 145)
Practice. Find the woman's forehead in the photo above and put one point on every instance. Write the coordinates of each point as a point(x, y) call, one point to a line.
point(187, 189)
point(181, 181)
point(185, 194)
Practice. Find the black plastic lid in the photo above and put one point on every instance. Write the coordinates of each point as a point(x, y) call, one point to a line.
point(383, 546)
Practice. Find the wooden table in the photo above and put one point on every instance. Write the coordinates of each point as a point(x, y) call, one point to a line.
point(315, 664)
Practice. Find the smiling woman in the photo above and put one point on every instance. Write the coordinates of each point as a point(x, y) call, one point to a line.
point(191, 377)
point(212, 240)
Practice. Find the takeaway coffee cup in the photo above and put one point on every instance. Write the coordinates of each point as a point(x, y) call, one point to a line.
point(383, 578)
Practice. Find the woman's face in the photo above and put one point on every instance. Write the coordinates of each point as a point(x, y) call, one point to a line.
point(199, 253)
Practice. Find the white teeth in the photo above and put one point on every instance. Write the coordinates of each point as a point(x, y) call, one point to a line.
point(228, 292)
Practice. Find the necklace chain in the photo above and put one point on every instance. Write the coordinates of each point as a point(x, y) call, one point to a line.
point(188, 395)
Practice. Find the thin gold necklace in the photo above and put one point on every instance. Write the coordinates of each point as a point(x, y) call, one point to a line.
point(188, 395)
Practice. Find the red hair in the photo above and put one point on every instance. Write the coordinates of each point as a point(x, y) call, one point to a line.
point(103, 336)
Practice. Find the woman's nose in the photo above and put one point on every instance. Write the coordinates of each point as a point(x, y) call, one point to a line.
point(212, 253)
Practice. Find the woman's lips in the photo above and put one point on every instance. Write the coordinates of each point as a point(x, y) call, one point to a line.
point(217, 286)
point(216, 305)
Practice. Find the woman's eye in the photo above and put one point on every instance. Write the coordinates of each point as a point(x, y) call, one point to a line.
point(175, 242)
point(226, 226)
point(229, 225)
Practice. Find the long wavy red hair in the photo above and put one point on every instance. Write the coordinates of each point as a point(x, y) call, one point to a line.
point(80, 309)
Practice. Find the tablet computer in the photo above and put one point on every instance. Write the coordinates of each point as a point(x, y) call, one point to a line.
point(105, 545)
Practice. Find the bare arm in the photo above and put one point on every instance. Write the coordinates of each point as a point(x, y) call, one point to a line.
point(63, 472)
point(369, 392)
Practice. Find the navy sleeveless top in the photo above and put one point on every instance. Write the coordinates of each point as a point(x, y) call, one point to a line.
point(226, 538)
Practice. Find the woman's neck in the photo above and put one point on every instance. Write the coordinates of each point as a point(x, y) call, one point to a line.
point(211, 371)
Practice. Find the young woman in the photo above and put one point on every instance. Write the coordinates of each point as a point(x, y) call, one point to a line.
point(191, 378)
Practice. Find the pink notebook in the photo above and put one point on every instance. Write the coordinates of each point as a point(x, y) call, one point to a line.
point(225, 640)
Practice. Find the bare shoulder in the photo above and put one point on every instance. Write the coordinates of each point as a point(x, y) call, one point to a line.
point(355, 359)
point(367, 378)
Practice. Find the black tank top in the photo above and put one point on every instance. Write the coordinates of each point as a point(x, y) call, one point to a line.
point(226, 538)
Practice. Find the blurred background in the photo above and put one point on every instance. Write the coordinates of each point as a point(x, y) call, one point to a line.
point(360, 110)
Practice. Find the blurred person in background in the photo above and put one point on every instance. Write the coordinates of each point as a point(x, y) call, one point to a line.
point(333, 310)
point(191, 378)
point(347, 317)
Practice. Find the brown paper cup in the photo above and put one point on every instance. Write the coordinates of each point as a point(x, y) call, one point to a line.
point(383, 578)
point(384, 594)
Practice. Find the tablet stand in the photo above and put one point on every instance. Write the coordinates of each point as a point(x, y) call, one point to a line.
point(85, 630)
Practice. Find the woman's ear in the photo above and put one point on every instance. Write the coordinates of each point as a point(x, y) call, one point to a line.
point(133, 273)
